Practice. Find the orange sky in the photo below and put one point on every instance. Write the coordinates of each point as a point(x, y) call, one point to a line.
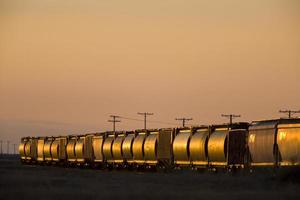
point(66, 65)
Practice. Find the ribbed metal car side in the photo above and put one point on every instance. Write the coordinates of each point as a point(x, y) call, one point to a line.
point(107, 148)
point(71, 155)
point(58, 149)
point(22, 148)
point(83, 149)
point(138, 148)
point(98, 141)
point(181, 147)
point(261, 143)
point(127, 148)
point(288, 140)
point(47, 149)
point(40, 149)
point(117, 148)
point(198, 147)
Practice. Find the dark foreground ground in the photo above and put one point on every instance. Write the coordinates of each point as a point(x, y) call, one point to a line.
point(43, 182)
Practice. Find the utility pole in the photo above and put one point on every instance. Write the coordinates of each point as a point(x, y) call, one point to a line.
point(145, 118)
point(231, 117)
point(8, 147)
point(289, 112)
point(1, 147)
point(114, 121)
point(183, 119)
point(14, 149)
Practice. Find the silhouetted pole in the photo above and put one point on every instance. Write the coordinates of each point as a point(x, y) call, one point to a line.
point(114, 121)
point(1, 146)
point(231, 116)
point(145, 114)
point(183, 119)
point(289, 112)
point(14, 149)
point(8, 147)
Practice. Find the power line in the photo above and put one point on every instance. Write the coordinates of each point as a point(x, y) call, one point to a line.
point(114, 121)
point(148, 121)
point(183, 119)
point(145, 114)
point(289, 112)
point(231, 117)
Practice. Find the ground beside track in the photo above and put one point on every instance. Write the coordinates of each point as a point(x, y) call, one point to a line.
point(19, 181)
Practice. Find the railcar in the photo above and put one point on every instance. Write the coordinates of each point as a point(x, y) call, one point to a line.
point(158, 148)
point(226, 146)
point(58, 149)
point(107, 148)
point(40, 149)
point(97, 145)
point(47, 150)
point(274, 143)
point(22, 148)
point(127, 149)
point(181, 146)
point(71, 155)
point(84, 150)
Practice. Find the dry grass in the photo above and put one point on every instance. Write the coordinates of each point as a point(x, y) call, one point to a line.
point(43, 182)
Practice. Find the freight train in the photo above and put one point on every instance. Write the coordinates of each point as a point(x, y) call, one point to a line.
point(268, 143)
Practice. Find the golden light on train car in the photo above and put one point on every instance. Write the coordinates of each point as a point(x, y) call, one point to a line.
point(217, 147)
point(150, 148)
point(181, 147)
point(83, 149)
point(197, 147)
point(288, 140)
point(127, 147)
point(117, 148)
point(71, 156)
point(98, 141)
point(261, 143)
point(47, 149)
point(107, 148)
point(40, 149)
point(137, 148)
point(22, 148)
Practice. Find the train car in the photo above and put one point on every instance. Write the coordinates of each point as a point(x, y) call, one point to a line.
point(127, 149)
point(226, 146)
point(198, 147)
point(274, 143)
point(47, 150)
point(84, 150)
point(117, 151)
point(138, 147)
point(158, 148)
point(97, 142)
point(40, 149)
point(71, 155)
point(22, 148)
point(58, 149)
point(31, 150)
point(107, 148)
point(181, 147)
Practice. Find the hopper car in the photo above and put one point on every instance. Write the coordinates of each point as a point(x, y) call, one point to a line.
point(267, 143)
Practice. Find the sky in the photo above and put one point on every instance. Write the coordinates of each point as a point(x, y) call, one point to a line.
point(65, 66)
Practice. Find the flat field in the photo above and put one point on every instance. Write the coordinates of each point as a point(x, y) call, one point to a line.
point(19, 181)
